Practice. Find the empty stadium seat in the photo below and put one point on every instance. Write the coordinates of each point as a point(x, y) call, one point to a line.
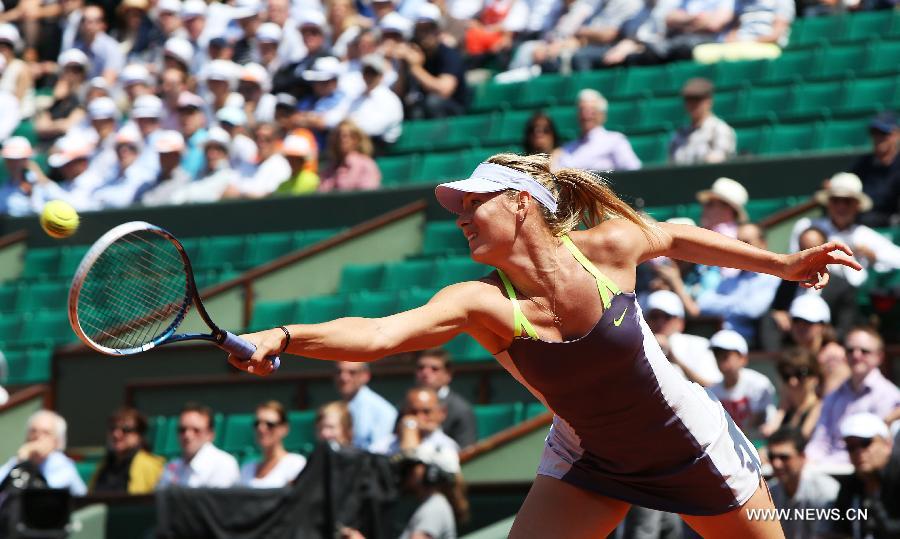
point(651, 149)
point(844, 134)
point(38, 296)
point(408, 273)
point(398, 169)
point(302, 431)
point(839, 62)
point(28, 366)
point(263, 248)
point(810, 31)
point(47, 326)
point(444, 237)
point(321, 309)
point(791, 66)
point(866, 25)
point(641, 81)
point(356, 277)
point(372, 304)
point(866, 96)
point(239, 434)
point(454, 270)
point(749, 140)
point(492, 418)
point(220, 253)
point(269, 314)
point(417, 136)
point(8, 294)
point(43, 262)
point(604, 81)
point(782, 139)
point(545, 91)
point(9, 328)
point(465, 131)
point(494, 96)
point(70, 258)
point(732, 75)
point(882, 58)
point(464, 348)
point(814, 99)
point(665, 113)
point(414, 298)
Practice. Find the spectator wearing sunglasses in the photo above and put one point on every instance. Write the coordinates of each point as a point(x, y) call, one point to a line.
point(434, 370)
point(800, 405)
point(875, 483)
point(201, 464)
point(127, 466)
point(275, 467)
point(796, 486)
point(866, 391)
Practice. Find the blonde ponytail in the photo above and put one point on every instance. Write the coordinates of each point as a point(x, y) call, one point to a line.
point(582, 196)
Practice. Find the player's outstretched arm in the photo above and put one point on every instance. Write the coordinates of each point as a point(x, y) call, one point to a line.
point(450, 312)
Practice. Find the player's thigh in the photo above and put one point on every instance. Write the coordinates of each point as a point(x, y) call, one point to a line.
point(737, 523)
point(554, 508)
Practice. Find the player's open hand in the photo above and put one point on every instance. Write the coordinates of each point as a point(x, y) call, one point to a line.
point(810, 266)
point(267, 343)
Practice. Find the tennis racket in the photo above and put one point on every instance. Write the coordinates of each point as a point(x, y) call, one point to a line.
point(132, 290)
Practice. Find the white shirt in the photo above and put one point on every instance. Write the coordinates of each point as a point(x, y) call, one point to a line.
point(206, 189)
point(286, 470)
point(269, 175)
point(854, 236)
point(694, 352)
point(379, 113)
point(752, 397)
point(390, 445)
point(210, 467)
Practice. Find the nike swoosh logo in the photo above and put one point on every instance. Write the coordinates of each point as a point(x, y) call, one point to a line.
point(618, 321)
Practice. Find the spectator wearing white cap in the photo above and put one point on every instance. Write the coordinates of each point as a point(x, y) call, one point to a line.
point(193, 20)
point(328, 104)
point(290, 45)
point(743, 297)
point(16, 195)
point(67, 110)
point(875, 484)
point(217, 174)
point(192, 121)
point(377, 111)
point(435, 86)
point(297, 150)
point(69, 156)
point(242, 150)
point(810, 321)
point(867, 390)
point(597, 148)
point(106, 59)
point(147, 113)
point(104, 118)
point(221, 78)
point(129, 176)
point(290, 79)
point(168, 16)
point(254, 85)
point(178, 53)
point(273, 167)
point(16, 78)
point(169, 145)
point(844, 199)
point(136, 80)
point(747, 395)
point(839, 295)
point(723, 206)
point(345, 23)
point(246, 14)
point(690, 353)
point(268, 39)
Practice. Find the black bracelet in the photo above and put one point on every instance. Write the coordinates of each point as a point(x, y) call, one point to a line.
point(287, 341)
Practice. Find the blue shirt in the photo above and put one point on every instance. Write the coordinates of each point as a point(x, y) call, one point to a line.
point(332, 108)
point(104, 54)
point(59, 471)
point(373, 417)
point(14, 201)
point(194, 160)
point(740, 300)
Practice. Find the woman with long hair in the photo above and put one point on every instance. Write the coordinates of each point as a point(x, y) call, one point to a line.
point(800, 404)
point(628, 428)
point(350, 163)
point(275, 467)
point(128, 466)
point(334, 424)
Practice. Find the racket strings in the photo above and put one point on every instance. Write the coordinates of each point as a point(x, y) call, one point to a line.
point(135, 292)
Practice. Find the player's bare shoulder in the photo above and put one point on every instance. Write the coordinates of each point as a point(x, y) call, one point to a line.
point(614, 242)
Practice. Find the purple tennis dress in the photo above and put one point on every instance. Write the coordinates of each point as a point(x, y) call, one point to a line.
point(627, 425)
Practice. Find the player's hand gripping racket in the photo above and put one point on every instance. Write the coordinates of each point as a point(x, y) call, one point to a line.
point(133, 289)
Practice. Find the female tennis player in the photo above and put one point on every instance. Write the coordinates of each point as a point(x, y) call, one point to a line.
point(627, 428)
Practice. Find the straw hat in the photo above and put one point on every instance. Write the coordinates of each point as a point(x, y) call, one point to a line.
point(730, 192)
point(845, 185)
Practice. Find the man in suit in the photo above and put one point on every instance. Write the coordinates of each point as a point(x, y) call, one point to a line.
point(433, 370)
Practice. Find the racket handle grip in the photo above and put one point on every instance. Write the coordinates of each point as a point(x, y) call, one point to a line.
point(242, 349)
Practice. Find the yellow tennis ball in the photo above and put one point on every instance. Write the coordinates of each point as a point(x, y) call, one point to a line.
point(59, 219)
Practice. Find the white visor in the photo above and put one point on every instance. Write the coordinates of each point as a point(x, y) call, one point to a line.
point(491, 178)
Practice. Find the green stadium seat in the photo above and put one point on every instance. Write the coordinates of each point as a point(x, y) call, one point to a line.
point(544, 91)
point(47, 326)
point(86, 469)
point(39, 296)
point(437, 167)
point(414, 298)
point(642, 82)
point(882, 58)
point(264, 248)
point(165, 427)
point(759, 209)
point(70, 258)
point(303, 430)
point(810, 31)
point(30, 366)
point(191, 246)
point(619, 117)
point(408, 273)
point(464, 131)
point(664, 113)
point(603, 80)
point(444, 237)
point(727, 104)
point(8, 293)
point(651, 149)
point(239, 434)
point(494, 96)
point(26, 129)
point(270, 314)
point(398, 169)
point(418, 136)
point(566, 119)
point(867, 25)
point(455, 270)
point(465, 349)
point(305, 238)
point(680, 72)
point(510, 128)
point(534, 409)
point(9, 328)
point(866, 96)
point(356, 277)
point(815, 99)
point(372, 304)
point(155, 428)
point(844, 134)
point(789, 138)
point(492, 418)
point(762, 103)
point(732, 75)
point(41, 263)
point(321, 309)
point(219, 253)
point(791, 66)
point(749, 140)
point(839, 62)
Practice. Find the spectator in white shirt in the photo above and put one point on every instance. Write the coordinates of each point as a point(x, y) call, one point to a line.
point(690, 353)
point(254, 85)
point(242, 150)
point(596, 148)
point(844, 200)
point(707, 139)
point(377, 111)
point(10, 106)
point(273, 168)
point(217, 175)
point(748, 396)
point(201, 464)
point(129, 177)
point(171, 177)
point(276, 467)
point(420, 425)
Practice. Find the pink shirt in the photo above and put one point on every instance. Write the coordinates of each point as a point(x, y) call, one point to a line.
point(357, 172)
